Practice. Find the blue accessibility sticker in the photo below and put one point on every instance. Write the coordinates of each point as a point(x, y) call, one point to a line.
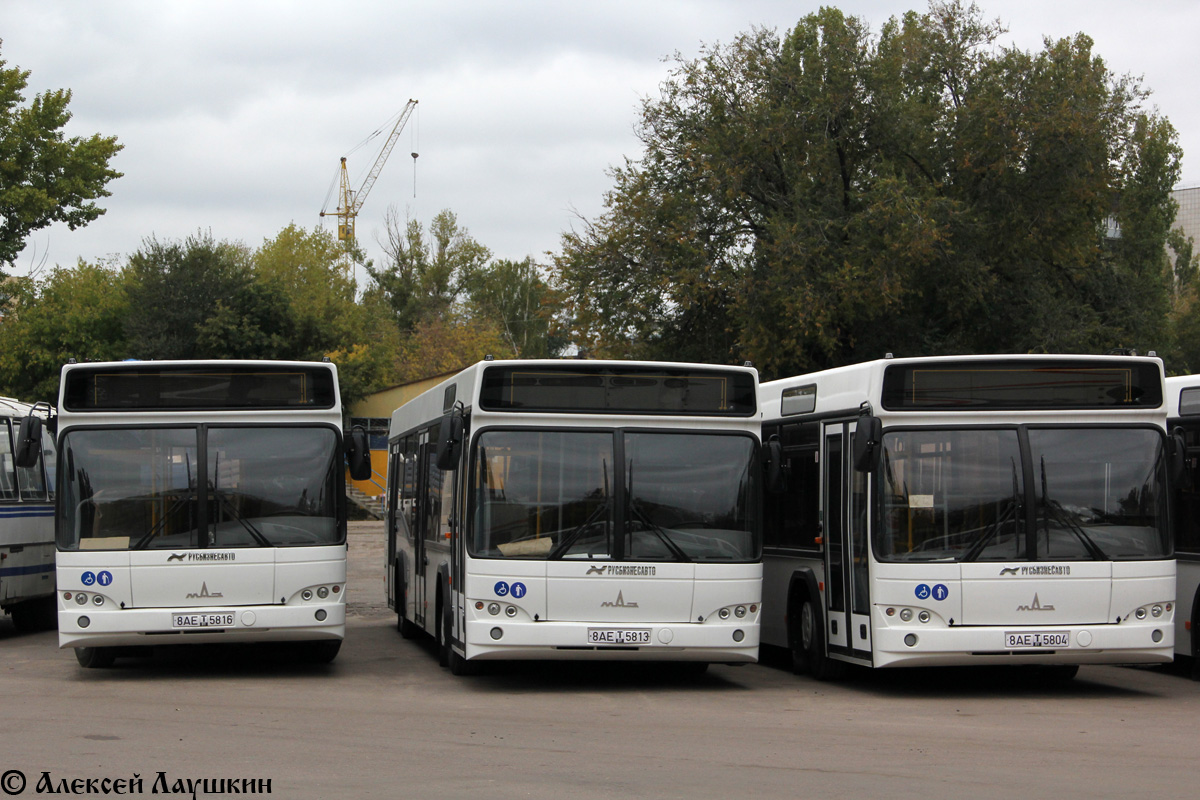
point(518, 590)
point(88, 578)
point(104, 578)
point(501, 588)
point(922, 591)
point(940, 592)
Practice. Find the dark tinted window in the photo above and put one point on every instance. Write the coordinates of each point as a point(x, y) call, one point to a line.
point(974, 385)
point(200, 386)
point(615, 389)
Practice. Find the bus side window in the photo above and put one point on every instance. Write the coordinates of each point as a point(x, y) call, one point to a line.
point(793, 519)
point(8, 477)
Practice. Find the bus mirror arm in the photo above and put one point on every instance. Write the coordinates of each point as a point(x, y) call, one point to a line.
point(29, 442)
point(867, 436)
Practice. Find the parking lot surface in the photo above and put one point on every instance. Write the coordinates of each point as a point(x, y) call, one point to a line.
point(385, 721)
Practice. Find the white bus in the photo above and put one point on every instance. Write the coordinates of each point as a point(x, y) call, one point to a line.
point(578, 510)
point(970, 510)
point(26, 520)
point(201, 501)
point(1183, 410)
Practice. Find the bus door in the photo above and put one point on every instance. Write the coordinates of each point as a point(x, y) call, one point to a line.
point(847, 556)
point(425, 516)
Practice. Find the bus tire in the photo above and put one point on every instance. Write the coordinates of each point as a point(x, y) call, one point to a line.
point(408, 629)
point(443, 633)
point(40, 614)
point(323, 651)
point(812, 641)
point(95, 657)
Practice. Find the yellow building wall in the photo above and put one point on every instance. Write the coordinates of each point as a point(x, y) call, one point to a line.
point(381, 404)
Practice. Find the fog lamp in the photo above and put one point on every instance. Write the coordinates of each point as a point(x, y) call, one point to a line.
point(321, 615)
point(738, 635)
point(84, 622)
point(497, 633)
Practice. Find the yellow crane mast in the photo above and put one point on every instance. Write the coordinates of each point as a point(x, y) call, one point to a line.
point(351, 201)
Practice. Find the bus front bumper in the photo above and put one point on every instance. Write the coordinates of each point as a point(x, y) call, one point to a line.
point(143, 627)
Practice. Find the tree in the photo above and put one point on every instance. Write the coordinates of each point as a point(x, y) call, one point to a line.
point(45, 177)
point(175, 287)
point(831, 195)
point(71, 313)
point(422, 280)
point(514, 299)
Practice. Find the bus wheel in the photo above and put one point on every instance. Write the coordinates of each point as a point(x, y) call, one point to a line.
point(1060, 673)
point(443, 635)
point(95, 657)
point(812, 641)
point(407, 627)
point(323, 651)
point(35, 615)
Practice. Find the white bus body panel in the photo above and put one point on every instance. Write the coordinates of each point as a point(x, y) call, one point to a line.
point(677, 603)
point(147, 588)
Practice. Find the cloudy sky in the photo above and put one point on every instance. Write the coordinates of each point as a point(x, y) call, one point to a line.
point(234, 114)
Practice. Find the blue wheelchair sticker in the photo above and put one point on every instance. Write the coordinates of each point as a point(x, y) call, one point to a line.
point(922, 591)
point(518, 590)
point(501, 588)
point(88, 578)
point(940, 592)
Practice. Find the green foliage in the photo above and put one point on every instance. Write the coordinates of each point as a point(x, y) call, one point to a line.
point(45, 177)
point(175, 287)
point(513, 297)
point(71, 313)
point(829, 196)
point(423, 276)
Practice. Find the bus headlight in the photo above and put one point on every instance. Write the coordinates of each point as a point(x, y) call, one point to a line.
point(739, 612)
point(493, 608)
point(323, 592)
point(923, 616)
point(306, 594)
point(1156, 610)
point(511, 611)
point(723, 613)
point(81, 598)
point(906, 614)
point(98, 600)
point(1140, 613)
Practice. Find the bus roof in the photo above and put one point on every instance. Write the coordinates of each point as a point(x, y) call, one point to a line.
point(1012, 382)
point(468, 387)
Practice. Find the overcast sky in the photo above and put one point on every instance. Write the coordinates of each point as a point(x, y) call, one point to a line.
point(233, 115)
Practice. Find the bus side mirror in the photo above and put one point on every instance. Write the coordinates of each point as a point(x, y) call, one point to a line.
point(773, 466)
point(358, 454)
point(449, 445)
point(867, 437)
point(29, 442)
point(1177, 461)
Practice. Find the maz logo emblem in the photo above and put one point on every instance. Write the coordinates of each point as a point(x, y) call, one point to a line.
point(1009, 571)
point(595, 571)
point(619, 604)
point(205, 593)
point(1036, 605)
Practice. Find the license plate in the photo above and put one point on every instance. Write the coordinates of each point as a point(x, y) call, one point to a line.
point(618, 636)
point(206, 620)
point(1019, 640)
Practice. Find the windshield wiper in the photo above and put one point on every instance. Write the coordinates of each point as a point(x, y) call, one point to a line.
point(144, 541)
point(993, 530)
point(1067, 520)
point(670, 544)
point(255, 533)
point(565, 543)
point(578, 530)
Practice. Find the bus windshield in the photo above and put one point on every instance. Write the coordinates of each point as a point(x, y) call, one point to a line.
point(135, 488)
point(628, 495)
point(961, 495)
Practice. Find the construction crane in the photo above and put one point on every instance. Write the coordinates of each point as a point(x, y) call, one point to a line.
point(350, 201)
